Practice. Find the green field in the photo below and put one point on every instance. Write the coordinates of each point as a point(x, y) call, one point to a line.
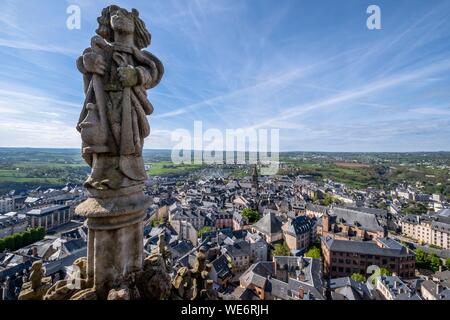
point(23, 169)
point(430, 178)
point(167, 168)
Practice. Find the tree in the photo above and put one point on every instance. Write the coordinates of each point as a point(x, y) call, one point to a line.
point(18, 241)
point(435, 262)
point(251, 215)
point(41, 232)
point(9, 243)
point(358, 277)
point(329, 200)
point(385, 272)
point(420, 257)
point(281, 249)
point(203, 230)
point(26, 238)
point(313, 252)
point(380, 272)
point(382, 205)
point(34, 235)
point(2, 245)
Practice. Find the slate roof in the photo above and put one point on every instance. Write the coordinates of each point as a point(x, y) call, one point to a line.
point(363, 247)
point(257, 274)
point(47, 210)
point(244, 294)
point(444, 292)
point(310, 292)
point(182, 247)
point(358, 289)
point(239, 248)
point(221, 267)
point(440, 226)
point(316, 208)
point(398, 289)
point(300, 225)
point(353, 216)
point(311, 268)
point(269, 224)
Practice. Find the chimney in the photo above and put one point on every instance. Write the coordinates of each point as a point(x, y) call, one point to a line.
point(438, 288)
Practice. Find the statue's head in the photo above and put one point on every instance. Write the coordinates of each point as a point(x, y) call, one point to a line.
point(122, 21)
point(117, 19)
point(37, 265)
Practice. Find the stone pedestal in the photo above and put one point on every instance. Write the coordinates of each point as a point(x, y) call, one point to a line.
point(115, 241)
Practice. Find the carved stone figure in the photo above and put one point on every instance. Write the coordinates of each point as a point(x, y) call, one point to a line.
point(113, 123)
point(162, 252)
point(182, 285)
point(194, 284)
point(154, 281)
point(75, 282)
point(37, 287)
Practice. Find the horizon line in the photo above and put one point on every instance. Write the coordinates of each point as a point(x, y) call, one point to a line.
point(285, 151)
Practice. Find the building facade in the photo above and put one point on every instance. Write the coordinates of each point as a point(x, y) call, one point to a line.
point(49, 217)
point(343, 257)
point(428, 229)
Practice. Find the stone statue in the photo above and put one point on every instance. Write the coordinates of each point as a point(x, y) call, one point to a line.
point(75, 282)
point(194, 284)
point(113, 123)
point(163, 253)
point(154, 282)
point(37, 287)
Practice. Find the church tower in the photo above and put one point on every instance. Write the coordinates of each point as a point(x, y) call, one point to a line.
point(255, 179)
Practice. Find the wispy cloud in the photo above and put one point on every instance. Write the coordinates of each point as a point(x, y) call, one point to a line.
point(319, 75)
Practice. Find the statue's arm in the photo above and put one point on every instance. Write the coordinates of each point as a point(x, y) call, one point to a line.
point(91, 62)
point(86, 75)
point(150, 69)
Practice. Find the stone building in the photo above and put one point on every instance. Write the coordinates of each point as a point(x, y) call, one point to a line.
point(269, 227)
point(49, 217)
point(393, 288)
point(315, 211)
point(343, 257)
point(299, 233)
point(429, 229)
point(6, 205)
point(11, 223)
point(350, 223)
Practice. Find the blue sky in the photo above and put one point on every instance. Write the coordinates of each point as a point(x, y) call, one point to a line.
point(310, 68)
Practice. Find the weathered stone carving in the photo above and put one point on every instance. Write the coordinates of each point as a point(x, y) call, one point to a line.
point(154, 282)
point(76, 282)
point(37, 287)
point(194, 284)
point(113, 123)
